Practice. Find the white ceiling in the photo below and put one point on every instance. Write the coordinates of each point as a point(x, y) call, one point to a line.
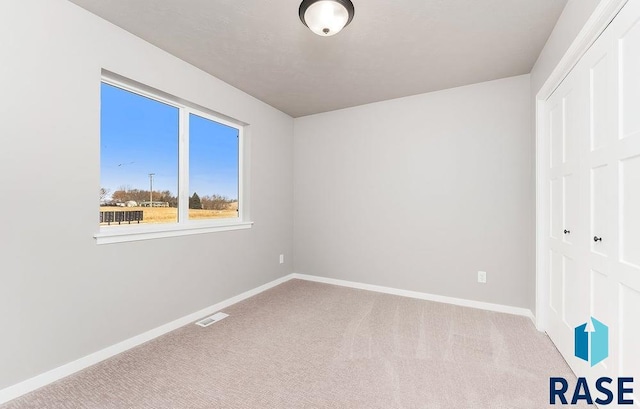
point(392, 48)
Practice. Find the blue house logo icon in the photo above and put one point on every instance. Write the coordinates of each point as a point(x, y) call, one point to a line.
point(592, 341)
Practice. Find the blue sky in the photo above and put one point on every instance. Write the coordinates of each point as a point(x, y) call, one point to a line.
point(139, 136)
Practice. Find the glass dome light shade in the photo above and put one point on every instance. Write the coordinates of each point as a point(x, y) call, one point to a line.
point(326, 17)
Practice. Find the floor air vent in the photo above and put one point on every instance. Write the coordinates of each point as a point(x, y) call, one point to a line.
point(205, 322)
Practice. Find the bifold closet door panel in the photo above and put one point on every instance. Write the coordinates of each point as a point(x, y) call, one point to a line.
point(625, 271)
point(566, 110)
point(598, 175)
point(592, 123)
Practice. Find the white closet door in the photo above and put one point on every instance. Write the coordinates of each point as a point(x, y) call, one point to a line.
point(594, 184)
point(624, 159)
point(569, 290)
point(598, 175)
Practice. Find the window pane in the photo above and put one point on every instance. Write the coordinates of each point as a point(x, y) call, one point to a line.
point(138, 159)
point(213, 169)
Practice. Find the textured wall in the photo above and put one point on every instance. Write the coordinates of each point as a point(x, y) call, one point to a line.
point(419, 193)
point(61, 295)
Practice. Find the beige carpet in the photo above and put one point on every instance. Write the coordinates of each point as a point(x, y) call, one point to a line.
point(310, 345)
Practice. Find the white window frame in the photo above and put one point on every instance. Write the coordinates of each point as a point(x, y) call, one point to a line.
point(184, 226)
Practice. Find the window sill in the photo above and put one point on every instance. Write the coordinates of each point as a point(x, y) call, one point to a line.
point(121, 234)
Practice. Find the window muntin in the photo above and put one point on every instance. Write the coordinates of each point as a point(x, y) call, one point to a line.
point(187, 134)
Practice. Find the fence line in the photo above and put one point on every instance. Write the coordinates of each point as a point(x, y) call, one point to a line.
point(120, 217)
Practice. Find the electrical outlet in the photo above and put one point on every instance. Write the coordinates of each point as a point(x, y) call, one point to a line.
point(482, 277)
point(281, 258)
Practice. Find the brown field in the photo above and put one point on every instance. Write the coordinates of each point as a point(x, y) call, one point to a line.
point(170, 214)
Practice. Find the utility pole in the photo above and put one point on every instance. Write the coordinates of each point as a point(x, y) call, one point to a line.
point(151, 175)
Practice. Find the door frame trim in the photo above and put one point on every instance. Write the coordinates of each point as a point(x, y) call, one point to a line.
point(604, 13)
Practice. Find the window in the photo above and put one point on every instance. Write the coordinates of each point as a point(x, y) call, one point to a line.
point(166, 168)
point(213, 169)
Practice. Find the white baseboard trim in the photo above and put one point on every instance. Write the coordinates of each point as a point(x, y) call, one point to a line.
point(22, 388)
point(421, 296)
point(63, 371)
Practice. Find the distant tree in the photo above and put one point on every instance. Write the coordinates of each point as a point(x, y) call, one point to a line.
point(104, 192)
point(119, 196)
point(216, 202)
point(194, 202)
point(138, 195)
point(166, 196)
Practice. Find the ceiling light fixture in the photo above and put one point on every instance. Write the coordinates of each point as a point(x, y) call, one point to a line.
point(326, 17)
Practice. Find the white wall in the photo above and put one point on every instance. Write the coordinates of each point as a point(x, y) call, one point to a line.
point(420, 193)
point(62, 296)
